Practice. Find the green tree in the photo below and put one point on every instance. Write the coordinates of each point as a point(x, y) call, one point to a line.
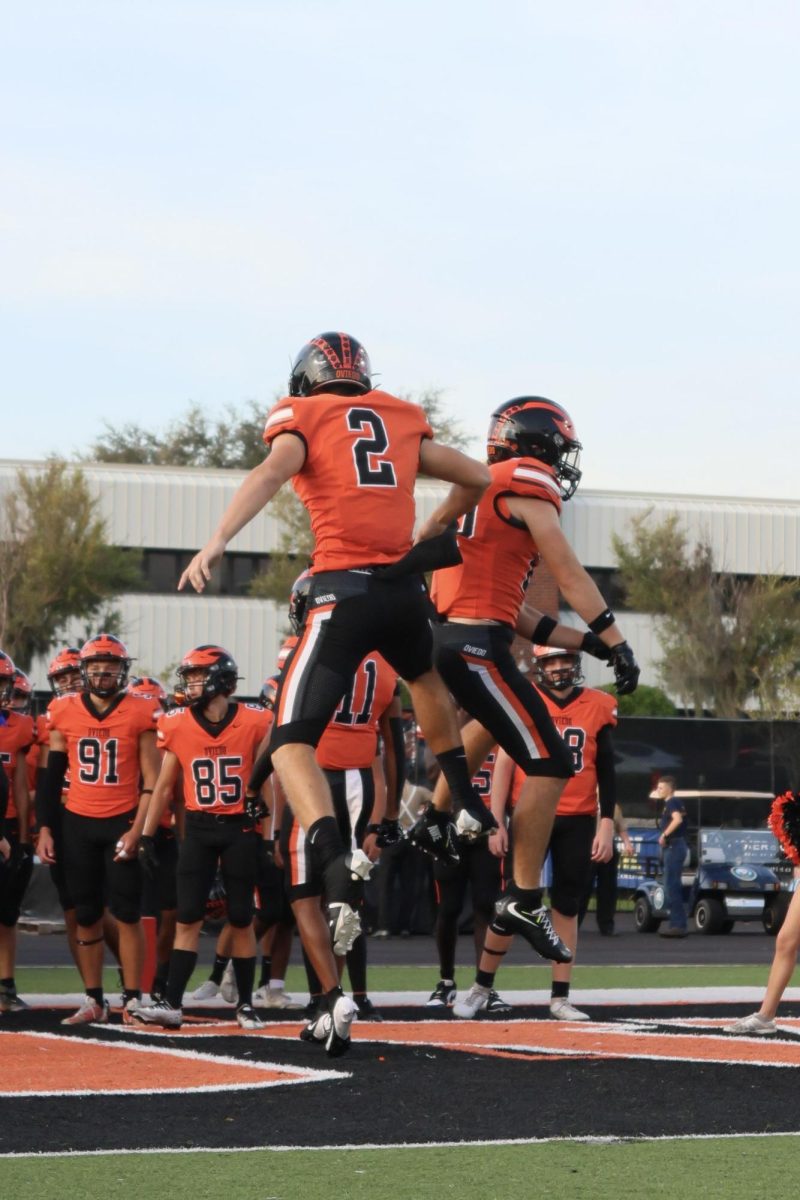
point(55, 563)
point(193, 440)
point(645, 702)
point(728, 643)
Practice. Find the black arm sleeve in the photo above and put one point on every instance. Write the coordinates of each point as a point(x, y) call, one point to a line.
point(262, 769)
point(606, 772)
point(399, 747)
point(3, 800)
point(48, 789)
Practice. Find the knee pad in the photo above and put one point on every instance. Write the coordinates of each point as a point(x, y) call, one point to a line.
point(564, 902)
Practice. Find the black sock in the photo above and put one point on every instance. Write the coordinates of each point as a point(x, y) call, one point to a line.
point(446, 941)
point(95, 994)
point(130, 994)
point(244, 969)
point(357, 965)
point(331, 997)
point(326, 840)
point(218, 970)
point(266, 970)
point(456, 772)
point(181, 965)
point(485, 978)
point(559, 990)
point(8, 983)
point(529, 898)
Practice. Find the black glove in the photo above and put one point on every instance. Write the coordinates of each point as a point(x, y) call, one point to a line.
point(147, 856)
point(626, 671)
point(21, 858)
point(593, 645)
point(387, 832)
point(255, 808)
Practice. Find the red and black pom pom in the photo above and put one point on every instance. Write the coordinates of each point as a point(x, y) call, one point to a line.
point(784, 821)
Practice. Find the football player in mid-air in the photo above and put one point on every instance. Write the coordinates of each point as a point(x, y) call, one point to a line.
point(353, 453)
point(533, 454)
point(211, 743)
point(584, 717)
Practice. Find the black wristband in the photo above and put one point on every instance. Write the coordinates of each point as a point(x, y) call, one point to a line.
point(372, 828)
point(603, 621)
point(543, 630)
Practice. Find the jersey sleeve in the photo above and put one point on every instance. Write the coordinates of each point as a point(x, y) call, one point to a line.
point(167, 729)
point(532, 480)
point(609, 712)
point(289, 415)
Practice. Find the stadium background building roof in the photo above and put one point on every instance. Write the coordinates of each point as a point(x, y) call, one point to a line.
point(168, 512)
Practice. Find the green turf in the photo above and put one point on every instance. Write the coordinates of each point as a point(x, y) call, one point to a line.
point(389, 979)
point(744, 1167)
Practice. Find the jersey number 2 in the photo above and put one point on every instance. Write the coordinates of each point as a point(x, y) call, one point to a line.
point(371, 470)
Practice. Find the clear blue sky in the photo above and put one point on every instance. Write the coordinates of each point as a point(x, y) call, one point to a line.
point(596, 202)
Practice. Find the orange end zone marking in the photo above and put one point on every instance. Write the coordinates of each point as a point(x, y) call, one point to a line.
point(44, 1064)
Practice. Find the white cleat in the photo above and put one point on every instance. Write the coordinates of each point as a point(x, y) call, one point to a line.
point(248, 1018)
point(228, 986)
point(754, 1024)
point(476, 999)
point(206, 991)
point(89, 1013)
point(562, 1010)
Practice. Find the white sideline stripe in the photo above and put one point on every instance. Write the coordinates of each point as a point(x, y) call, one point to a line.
point(545, 1141)
point(417, 999)
point(490, 686)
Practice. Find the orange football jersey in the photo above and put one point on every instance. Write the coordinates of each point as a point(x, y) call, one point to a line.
point(351, 738)
point(497, 551)
point(362, 457)
point(579, 721)
point(216, 760)
point(41, 738)
point(17, 734)
point(102, 751)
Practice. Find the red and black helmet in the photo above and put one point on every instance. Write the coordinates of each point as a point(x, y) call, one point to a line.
point(64, 671)
point(533, 427)
point(561, 678)
point(220, 678)
point(146, 685)
point(298, 601)
point(105, 648)
point(269, 692)
point(7, 670)
point(21, 696)
point(332, 362)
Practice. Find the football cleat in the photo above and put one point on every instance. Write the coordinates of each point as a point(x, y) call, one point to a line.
point(534, 925)
point(206, 991)
point(562, 1010)
point(443, 995)
point(228, 988)
point(129, 1010)
point(434, 833)
point(366, 1009)
point(754, 1024)
point(89, 1013)
point(248, 1018)
point(10, 1001)
point(342, 1015)
point(162, 1014)
point(317, 1027)
point(271, 997)
point(476, 999)
point(496, 1003)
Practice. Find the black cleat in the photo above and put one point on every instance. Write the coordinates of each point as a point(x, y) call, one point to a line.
point(443, 995)
point(511, 916)
point(366, 1009)
point(434, 833)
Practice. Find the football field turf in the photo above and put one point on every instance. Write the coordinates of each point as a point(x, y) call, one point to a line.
point(649, 1099)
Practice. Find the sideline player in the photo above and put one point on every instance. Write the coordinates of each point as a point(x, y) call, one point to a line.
point(16, 737)
point(584, 717)
point(353, 454)
point(107, 740)
point(533, 454)
point(212, 744)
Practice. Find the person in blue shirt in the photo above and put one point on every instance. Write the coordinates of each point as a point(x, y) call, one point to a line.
point(672, 824)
